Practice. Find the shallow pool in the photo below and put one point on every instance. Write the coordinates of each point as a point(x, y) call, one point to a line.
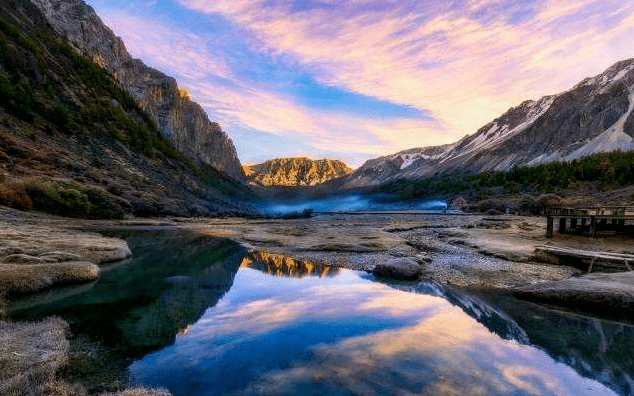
point(202, 316)
point(346, 334)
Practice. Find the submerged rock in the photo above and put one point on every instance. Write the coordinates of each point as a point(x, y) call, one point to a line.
point(604, 294)
point(403, 268)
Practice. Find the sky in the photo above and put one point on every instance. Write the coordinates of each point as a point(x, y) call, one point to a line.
point(357, 79)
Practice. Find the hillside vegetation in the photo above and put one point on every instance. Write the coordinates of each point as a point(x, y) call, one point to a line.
point(73, 142)
point(600, 178)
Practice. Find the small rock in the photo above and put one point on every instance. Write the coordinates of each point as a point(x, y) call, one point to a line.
point(405, 268)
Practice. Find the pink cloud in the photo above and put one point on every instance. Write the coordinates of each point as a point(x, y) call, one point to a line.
point(478, 69)
point(463, 69)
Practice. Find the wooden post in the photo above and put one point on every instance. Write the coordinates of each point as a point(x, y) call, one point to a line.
point(593, 227)
point(562, 225)
point(549, 227)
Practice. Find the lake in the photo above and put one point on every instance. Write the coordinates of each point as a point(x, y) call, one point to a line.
point(202, 316)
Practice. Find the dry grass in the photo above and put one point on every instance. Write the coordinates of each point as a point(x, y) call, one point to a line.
point(58, 388)
point(15, 196)
point(29, 278)
point(30, 355)
point(140, 392)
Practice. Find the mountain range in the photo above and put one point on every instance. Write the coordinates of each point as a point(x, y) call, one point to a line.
point(179, 119)
point(594, 116)
point(80, 118)
point(85, 130)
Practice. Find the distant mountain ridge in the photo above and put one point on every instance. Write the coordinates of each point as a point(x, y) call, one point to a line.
point(594, 116)
point(295, 172)
point(179, 119)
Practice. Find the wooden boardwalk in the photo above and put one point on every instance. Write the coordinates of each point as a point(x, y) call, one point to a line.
point(586, 259)
point(589, 220)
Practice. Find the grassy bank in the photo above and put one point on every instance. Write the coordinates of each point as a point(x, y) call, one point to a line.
point(31, 278)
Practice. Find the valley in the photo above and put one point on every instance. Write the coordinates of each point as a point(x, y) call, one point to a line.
point(140, 257)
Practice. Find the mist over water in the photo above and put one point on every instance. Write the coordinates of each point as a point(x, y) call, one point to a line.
point(348, 203)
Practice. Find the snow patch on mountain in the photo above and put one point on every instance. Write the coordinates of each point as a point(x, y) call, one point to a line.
point(498, 133)
point(621, 74)
point(613, 139)
point(545, 158)
point(411, 157)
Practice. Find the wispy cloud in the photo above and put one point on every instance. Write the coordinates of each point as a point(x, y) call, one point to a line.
point(463, 63)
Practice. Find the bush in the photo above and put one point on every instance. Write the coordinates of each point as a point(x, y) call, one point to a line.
point(71, 199)
point(15, 196)
point(494, 206)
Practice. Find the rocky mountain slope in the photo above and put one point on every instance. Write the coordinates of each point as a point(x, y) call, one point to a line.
point(594, 116)
point(295, 172)
point(181, 121)
point(73, 142)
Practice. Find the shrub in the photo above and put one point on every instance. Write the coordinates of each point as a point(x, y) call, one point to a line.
point(15, 196)
point(72, 199)
point(489, 206)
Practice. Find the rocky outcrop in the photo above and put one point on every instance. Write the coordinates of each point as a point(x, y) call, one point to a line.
point(295, 172)
point(179, 119)
point(604, 294)
point(594, 116)
point(404, 268)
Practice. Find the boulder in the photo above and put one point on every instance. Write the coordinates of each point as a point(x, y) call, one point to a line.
point(608, 295)
point(402, 268)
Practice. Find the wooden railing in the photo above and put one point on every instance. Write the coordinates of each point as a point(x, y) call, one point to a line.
point(608, 211)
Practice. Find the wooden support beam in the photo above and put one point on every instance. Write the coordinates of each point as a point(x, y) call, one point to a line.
point(549, 227)
point(562, 225)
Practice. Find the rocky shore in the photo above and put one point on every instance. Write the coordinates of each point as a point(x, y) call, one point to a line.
point(468, 251)
point(38, 252)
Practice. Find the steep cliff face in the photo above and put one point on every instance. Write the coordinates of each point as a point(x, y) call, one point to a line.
point(179, 119)
point(74, 142)
point(597, 115)
point(295, 172)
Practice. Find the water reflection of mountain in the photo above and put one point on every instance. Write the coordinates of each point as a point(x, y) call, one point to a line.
point(493, 319)
point(279, 265)
point(141, 306)
point(595, 348)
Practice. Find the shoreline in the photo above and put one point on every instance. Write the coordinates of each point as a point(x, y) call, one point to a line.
point(470, 251)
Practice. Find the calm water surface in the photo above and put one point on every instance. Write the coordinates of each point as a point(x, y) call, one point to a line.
point(347, 334)
point(200, 316)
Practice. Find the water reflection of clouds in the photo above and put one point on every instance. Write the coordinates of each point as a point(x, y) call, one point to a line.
point(441, 355)
point(415, 344)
